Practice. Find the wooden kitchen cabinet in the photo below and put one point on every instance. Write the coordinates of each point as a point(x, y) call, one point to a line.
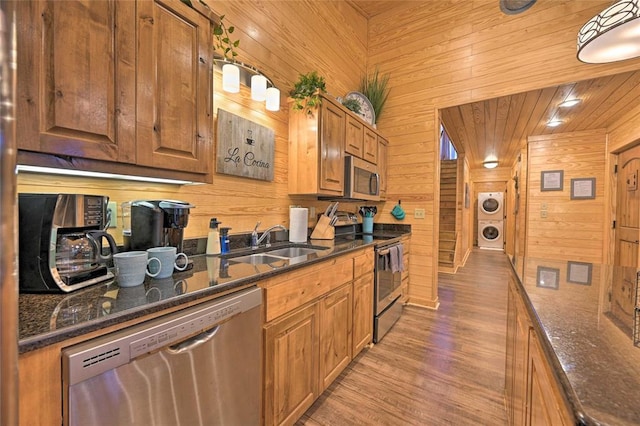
point(291, 366)
point(310, 323)
point(363, 301)
point(370, 150)
point(354, 137)
point(406, 249)
point(383, 166)
point(335, 334)
point(532, 392)
point(316, 150)
point(117, 81)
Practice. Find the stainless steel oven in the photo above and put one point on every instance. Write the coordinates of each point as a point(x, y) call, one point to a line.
point(387, 288)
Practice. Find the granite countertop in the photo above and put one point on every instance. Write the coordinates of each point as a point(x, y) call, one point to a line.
point(593, 356)
point(45, 319)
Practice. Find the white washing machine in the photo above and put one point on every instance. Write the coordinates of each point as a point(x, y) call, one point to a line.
point(490, 234)
point(490, 205)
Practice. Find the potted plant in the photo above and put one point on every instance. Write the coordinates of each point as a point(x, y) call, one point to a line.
point(306, 92)
point(375, 88)
point(352, 105)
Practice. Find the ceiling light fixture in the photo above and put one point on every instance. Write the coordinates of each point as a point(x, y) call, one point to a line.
point(569, 103)
point(554, 123)
point(612, 35)
point(490, 164)
point(235, 73)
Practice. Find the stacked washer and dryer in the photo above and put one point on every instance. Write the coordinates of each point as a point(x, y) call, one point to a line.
point(491, 220)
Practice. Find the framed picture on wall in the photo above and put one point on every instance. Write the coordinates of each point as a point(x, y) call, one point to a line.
point(583, 189)
point(548, 277)
point(551, 180)
point(579, 272)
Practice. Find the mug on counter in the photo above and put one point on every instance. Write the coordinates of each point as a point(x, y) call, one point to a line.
point(131, 267)
point(168, 261)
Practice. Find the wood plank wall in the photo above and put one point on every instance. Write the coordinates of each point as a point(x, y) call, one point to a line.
point(283, 39)
point(573, 229)
point(445, 53)
point(438, 54)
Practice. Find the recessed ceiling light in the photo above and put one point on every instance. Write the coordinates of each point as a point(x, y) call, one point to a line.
point(569, 103)
point(554, 123)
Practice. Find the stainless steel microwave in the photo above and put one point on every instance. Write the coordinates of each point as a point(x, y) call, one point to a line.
point(361, 179)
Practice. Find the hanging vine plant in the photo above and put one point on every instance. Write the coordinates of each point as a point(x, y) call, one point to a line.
point(223, 42)
point(306, 92)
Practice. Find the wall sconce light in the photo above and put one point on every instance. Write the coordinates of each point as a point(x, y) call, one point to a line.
point(612, 35)
point(490, 164)
point(230, 78)
point(262, 88)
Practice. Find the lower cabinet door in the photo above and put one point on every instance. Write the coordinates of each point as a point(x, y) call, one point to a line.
point(335, 334)
point(362, 312)
point(291, 366)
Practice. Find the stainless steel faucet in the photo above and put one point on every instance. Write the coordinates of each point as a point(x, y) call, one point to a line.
point(255, 241)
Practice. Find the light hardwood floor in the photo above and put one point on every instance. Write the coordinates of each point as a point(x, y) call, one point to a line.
point(443, 367)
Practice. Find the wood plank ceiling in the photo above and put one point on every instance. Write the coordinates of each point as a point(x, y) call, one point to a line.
point(499, 127)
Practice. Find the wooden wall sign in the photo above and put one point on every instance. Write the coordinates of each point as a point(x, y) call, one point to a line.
point(244, 148)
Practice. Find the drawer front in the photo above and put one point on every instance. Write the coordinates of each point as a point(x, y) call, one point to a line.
point(364, 263)
point(286, 293)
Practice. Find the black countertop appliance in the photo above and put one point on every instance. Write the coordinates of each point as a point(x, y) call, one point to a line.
point(158, 223)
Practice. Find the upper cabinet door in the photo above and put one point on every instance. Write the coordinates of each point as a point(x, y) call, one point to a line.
point(76, 84)
point(175, 66)
point(354, 136)
point(332, 147)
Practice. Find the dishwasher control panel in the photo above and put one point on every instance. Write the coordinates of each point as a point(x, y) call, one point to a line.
point(176, 333)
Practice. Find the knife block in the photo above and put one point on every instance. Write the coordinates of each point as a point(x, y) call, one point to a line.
point(323, 229)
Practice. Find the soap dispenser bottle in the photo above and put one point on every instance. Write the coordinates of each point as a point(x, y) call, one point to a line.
point(224, 240)
point(213, 239)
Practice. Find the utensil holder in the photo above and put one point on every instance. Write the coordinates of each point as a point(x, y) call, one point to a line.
point(367, 225)
point(323, 229)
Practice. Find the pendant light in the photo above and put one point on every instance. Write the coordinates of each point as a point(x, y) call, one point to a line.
point(612, 35)
point(235, 73)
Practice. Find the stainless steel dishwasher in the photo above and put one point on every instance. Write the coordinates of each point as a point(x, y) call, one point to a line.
point(198, 366)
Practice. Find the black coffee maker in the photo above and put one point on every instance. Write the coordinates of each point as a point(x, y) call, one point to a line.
point(60, 242)
point(157, 223)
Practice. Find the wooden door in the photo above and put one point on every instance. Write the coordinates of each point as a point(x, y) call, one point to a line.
point(382, 166)
point(291, 366)
point(362, 312)
point(335, 334)
point(331, 149)
point(370, 152)
point(354, 137)
point(627, 237)
point(76, 85)
point(175, 66)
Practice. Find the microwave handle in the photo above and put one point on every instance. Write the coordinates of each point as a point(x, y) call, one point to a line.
point(374, 184)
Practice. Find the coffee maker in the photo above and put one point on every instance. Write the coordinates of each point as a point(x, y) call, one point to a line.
point(60, 240)
point(155, 223)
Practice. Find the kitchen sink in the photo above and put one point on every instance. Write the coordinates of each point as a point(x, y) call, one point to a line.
point(261, 259)
point(280, 256)
point(290, 252)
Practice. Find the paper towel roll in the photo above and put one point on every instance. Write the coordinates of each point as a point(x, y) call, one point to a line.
point(298, 222)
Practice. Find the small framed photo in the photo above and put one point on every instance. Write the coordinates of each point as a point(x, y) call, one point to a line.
point(583, 189)
point(548, 277)
point(579, 272)
point(551, 180)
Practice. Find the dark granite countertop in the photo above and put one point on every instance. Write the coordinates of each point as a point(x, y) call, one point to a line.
point(45, 319)
point(592, 355)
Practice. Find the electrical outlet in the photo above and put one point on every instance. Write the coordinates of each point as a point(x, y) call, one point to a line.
point(543, 214)
point(418, 213)
point(113, 213)
point(543, 206)
point(312, 213)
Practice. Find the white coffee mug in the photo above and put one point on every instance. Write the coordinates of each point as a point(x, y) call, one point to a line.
point(131, 267)
point(168, 261)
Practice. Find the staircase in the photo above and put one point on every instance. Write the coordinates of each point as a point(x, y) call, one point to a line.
point(448, 197)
